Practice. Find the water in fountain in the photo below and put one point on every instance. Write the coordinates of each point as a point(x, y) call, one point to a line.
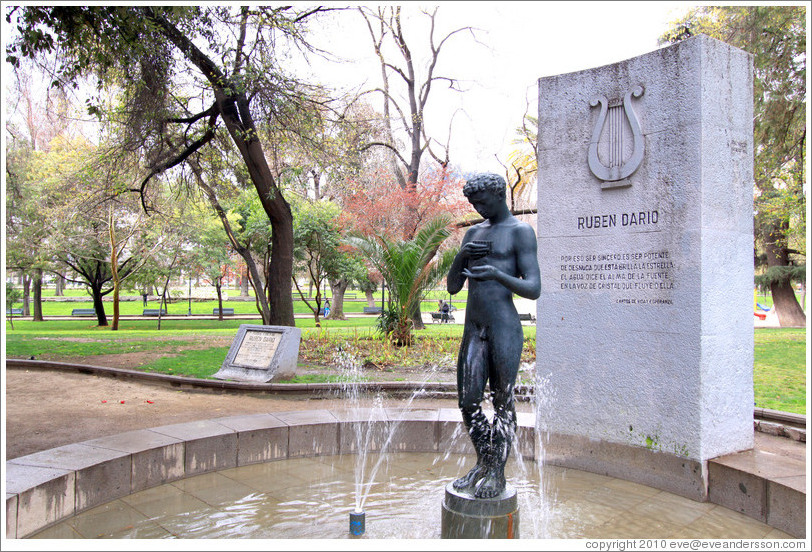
point(538, 498)
point(373, 428)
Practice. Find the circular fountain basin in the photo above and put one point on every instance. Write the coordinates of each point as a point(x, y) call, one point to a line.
point(312, 498)
point(291, 475)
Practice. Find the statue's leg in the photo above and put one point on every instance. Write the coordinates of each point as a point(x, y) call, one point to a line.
point(506, 356)
point(471, 378)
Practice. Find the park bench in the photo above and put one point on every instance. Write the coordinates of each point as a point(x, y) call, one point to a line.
point(438, 316)
point(527, 317)
point(373, 310)
point(83, 312)
point(14, 311)
point(153, 312)
point(226, 311)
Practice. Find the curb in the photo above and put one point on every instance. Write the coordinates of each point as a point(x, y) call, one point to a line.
point(237, 386)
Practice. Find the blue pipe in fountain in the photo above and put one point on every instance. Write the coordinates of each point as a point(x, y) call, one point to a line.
point(357, 523)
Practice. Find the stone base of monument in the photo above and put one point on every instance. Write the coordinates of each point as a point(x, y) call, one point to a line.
point(466, 517)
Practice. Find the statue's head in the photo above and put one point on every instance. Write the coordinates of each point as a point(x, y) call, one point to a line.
point(485, 182)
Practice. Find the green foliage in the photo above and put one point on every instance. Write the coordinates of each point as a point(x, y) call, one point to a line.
point(410, 269)
point(781, 274)
point(776, 36)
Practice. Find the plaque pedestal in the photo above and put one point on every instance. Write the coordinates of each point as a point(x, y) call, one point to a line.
point(261, 353)
point(466, 517)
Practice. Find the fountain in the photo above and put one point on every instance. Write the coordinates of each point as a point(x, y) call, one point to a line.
point(645, 352)
point(372, 429)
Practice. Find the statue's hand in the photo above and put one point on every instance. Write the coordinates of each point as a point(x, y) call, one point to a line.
point(472, 250)
point(480, 272)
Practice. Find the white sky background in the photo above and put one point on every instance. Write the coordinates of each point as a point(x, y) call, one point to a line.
point(517, 43)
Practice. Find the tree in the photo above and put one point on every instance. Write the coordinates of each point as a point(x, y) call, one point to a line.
point(85, 227)
point(317, 239)
point(410, 269)
point(178, 91)
point(12, 296)
point(211, 254)
point(248, 231)
point(87, 253)
point(374, 207)
point(35, 121)
point(522, 172)
point(776, 36)
point(386, 26)
point(373, 204)
point(26, 228)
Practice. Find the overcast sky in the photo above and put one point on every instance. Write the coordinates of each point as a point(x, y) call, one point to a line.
point(516, 43)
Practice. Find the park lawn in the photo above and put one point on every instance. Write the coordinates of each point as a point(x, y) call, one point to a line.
point(779, 377)
point(180, 307)
point(779, 374)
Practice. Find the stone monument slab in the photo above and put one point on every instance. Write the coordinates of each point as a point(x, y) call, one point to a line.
point(644, 326)
point(261, 353)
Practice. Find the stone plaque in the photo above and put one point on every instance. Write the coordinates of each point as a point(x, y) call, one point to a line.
point(261, 353)
point(257, 349)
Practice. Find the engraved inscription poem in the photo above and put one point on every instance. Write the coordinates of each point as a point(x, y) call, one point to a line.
point(261, 353)
point(257, 349)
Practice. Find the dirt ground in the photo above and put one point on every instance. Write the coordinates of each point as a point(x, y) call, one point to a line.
point(46, 408)
point(50, 408)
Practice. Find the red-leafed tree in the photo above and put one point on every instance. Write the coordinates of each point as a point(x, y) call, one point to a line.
point(375, 204)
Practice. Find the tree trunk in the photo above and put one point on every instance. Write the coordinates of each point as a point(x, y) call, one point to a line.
point(317, 310)
point(244, 285)
point(26, 295)
point(37, 295)
point(280, 296)
point(417, 318)
point(252, 272)
point(60, 286)
point(790, 313)
point(101, 317)
point(219, 287)
point(114, 272)
point(370, 298)
point(337, 306)
point(786, 305)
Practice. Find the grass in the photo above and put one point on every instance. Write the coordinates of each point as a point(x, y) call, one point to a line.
point(779, 374)
point(354, 303)
point(779, 377)
point(194, 363)
point(319, 378)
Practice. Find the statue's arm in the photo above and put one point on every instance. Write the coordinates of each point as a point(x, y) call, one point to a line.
point(527, 281)
point(456, 279)
point(527, 263)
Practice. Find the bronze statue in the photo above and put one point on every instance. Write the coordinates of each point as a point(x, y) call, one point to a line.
point(498, 257)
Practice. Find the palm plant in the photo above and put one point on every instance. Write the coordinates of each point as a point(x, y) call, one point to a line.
point(410, 268)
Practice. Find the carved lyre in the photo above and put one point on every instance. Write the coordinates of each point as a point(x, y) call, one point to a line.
point(615, 175)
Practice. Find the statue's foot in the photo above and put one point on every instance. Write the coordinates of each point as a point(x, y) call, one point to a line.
point(491, 485)
point(470, 479)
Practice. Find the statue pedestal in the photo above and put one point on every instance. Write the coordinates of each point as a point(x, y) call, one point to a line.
point(466, 517)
